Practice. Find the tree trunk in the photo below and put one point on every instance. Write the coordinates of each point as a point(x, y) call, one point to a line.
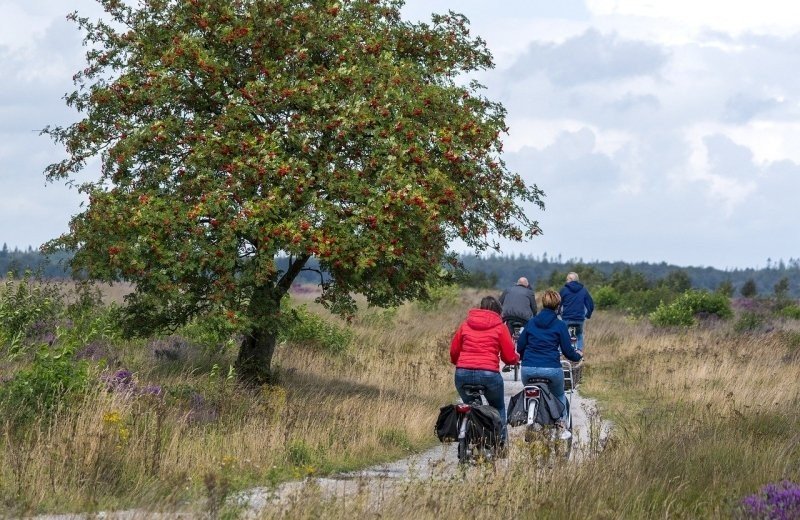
point(253, 365)
point(255, 357)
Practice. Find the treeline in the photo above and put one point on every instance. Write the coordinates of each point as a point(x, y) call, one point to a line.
point(17, 261)
point(499, 271)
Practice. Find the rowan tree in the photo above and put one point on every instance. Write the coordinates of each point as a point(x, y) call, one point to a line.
point(234, 132)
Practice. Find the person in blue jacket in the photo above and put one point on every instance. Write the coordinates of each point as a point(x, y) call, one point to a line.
point(541, 344)
point(576, 306)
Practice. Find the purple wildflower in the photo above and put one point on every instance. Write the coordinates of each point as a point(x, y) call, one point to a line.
point(172, 348)
point(120, 381)
point(152, 390)
point(779, 501)
point(93, 351)
point(200, 411)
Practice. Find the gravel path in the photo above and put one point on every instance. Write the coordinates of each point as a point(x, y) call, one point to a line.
point(441, 461)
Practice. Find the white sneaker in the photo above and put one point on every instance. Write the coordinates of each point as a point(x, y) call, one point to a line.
point(565, 434)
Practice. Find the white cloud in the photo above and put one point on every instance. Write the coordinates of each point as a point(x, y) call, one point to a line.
point(660, 130)
point(772, 15)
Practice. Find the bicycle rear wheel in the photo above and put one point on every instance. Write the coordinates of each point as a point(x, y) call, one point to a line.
point(463, 456)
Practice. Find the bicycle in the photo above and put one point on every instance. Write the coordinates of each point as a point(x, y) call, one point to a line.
point(554, 436)
point(473, 442)
point(577, 369)
point(515, 325)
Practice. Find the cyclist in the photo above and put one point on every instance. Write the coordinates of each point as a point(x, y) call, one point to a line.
point(519, 304)
point(478, 343)
point(541, 344)
point(576, 306)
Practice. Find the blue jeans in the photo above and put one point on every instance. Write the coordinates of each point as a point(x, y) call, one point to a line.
point(556, 377)
point(493, 382)
point(578, 332)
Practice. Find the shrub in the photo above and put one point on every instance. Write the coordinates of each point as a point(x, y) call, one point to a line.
point(439, 297)
point(643, 302)
point(24, 303)
point(606, 297)
point(671, 315)
point(53, 378)
point(706, 303)
point(304, 327)
point(791, 312)
point(748, 322)
point(685, 308)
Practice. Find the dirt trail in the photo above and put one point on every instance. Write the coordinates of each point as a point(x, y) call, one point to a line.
point(441, 461)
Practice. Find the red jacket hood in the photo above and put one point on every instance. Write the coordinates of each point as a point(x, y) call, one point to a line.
point(481, 341)
point(482, 319)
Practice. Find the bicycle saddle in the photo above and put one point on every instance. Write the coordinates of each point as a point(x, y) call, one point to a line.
point(474, 389)
point(534, 380)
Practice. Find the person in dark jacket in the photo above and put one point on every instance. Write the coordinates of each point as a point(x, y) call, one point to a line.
point(477, 347)
point(576, 306)
point(541, 344)
point(519, 304)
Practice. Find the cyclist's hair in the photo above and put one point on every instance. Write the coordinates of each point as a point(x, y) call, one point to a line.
point(490, 303)
point(551, 299)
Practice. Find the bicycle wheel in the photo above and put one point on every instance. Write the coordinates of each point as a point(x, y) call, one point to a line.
point(568, 442)
point(463, 456)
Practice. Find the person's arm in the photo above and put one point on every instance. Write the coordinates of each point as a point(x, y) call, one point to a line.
point(455, 346)
point(502, 297)
point(532, 298)
point(566, 344)
point(589, 303)
point(507, 352)
point(522, 341)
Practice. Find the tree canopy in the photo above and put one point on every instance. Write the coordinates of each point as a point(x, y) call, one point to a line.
point(234, 132)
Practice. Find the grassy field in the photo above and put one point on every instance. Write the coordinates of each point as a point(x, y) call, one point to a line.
point(703, 416)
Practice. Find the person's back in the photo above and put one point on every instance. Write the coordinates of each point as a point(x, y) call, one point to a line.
point(576, 306)
point(519, 302)
point(541, 344)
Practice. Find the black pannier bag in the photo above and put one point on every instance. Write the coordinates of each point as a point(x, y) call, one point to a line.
point(517, 416)
point(447, 424)
point(485, 424)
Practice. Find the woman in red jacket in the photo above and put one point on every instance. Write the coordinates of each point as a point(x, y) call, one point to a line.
point(480, 341)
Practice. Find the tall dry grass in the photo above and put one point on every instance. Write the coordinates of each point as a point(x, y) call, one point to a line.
point(702, 418)
point(201, 436)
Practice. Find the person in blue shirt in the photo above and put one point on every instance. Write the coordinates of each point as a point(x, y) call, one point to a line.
point(576, 306)
point(541, 344)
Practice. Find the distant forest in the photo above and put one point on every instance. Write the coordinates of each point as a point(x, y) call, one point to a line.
point(499, 271)
point(543, 272)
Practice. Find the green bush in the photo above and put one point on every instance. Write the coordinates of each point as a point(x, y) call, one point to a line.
point(439, 296)
point(24, 303)
point(790, 311)
point(671, 316)
point(748, 322)
point(53, 378)
point(686, 307)
point(643, 302)
point(606, 297)
point(302, 326)
point(704, 302)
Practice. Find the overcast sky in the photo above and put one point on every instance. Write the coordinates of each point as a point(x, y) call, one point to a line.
point(666, 130)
